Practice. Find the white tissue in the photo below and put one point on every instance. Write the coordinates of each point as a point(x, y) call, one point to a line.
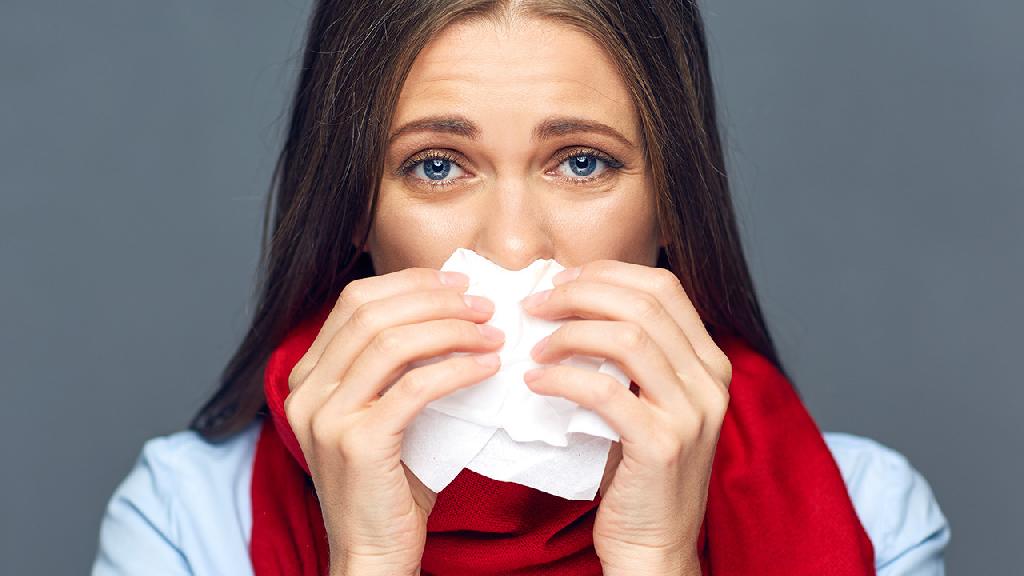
point(499, 427)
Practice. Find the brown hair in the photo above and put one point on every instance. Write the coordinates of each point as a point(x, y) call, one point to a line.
point(324, 186)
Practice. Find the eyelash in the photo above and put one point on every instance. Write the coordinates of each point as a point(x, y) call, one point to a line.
point(612, 165)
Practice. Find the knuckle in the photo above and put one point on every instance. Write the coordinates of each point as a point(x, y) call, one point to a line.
point(720, 404)
point(569, 291)
point(666, 281)
point(328, 436)
point(450, 330)
point(725, 369)
point(415, 382)
point(355, 294)
point(292, 410)
point(445, 300)
point(665, 449)
point(606, 390)
point(719, 398)
point(387, 341)
point(461, 331)
point(689, 423)
point(321, 430)
point(629, 336)
point(297, 375)
point(365, 318)
point(645, 306)
point(351, 450)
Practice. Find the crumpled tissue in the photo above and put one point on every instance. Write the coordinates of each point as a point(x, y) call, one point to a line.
point(499, 427)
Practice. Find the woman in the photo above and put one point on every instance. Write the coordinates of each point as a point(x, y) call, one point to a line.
point(579, 131)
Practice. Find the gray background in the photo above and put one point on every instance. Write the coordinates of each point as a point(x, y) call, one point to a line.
point(875, 150)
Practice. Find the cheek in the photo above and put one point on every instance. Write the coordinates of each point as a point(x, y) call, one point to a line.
point(407, 232)
point(620, 225)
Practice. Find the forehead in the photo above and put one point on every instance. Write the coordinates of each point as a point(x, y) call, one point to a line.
point(532, 69)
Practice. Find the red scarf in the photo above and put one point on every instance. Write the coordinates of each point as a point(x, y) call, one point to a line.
point(777, 503)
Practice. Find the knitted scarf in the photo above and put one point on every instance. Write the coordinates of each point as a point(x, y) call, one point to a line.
point(777, 503)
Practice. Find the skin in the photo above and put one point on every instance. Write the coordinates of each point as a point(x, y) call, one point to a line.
point(513, 199)
point(510, 197)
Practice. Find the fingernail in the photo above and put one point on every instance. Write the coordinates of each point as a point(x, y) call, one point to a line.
point(454, 279)
point(490, 359)
point(490, 332)
point(535, 299)
point(566, 275)
point(478, 303)
point(539, 346)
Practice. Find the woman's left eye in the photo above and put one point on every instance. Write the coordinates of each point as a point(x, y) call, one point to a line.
point(582, 165)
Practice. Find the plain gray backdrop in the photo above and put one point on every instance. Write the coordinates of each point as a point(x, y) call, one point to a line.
point(875, 150)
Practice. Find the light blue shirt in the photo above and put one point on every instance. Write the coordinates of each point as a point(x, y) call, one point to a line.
point(184, 508)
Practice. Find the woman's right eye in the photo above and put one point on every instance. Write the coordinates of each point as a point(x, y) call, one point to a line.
point(432, 169)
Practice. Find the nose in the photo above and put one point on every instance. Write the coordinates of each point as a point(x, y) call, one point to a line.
point(512, 230)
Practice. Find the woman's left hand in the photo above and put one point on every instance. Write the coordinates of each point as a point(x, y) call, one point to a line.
point(654, 491)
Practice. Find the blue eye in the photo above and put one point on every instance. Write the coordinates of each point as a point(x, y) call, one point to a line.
point(432, 169)
point(583, 162)
point(583, 165)
point(437, 168)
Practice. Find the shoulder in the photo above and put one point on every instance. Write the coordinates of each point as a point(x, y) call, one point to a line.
point(184, 506)
point(895, 504)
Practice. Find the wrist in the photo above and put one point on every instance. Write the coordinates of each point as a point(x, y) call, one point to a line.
point(368, 570)
point(371, 567)
point(652, 563)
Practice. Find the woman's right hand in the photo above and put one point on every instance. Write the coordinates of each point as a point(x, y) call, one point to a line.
point(350, 424)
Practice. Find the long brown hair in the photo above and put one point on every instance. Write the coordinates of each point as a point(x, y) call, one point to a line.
point(324, 187)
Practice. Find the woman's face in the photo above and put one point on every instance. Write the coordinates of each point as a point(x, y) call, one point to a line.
point(519, 144)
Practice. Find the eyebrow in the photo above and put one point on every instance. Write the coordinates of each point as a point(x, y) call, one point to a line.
point(548, 128)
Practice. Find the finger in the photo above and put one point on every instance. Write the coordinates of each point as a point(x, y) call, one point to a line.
point(368, 321)
point(602, 301)
point(664, 285)
point(364, 290)
point(627, 344)
point(599, 392)
point(377, 315)
point(392, 349)
point(420, 386)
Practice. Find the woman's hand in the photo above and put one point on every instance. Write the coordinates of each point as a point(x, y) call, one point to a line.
point(350, 423)
point(654, 492)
